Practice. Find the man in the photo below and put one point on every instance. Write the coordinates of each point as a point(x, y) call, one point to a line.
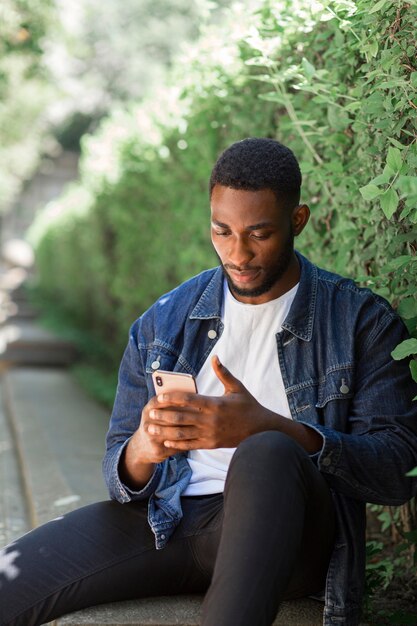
point(252, 490)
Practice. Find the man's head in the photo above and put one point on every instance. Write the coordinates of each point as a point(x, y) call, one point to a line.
point(259, 163)
point(255, 214)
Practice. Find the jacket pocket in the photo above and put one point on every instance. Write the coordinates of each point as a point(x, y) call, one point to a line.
point(159, 358)
point(336, 385)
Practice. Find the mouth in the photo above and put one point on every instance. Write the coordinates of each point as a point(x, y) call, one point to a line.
point(243, 276)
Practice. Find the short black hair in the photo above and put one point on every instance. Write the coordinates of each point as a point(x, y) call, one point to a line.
point(259, 163)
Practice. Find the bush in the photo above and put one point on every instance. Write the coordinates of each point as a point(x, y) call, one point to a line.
point(335, 81)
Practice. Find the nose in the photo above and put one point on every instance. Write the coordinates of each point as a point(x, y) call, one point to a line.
point(240, 253)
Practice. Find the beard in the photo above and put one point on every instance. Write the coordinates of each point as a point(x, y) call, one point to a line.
point(273, 274)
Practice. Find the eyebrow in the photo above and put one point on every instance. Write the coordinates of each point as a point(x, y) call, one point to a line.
point(258, 226)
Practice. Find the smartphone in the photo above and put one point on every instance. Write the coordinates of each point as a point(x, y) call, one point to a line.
point(173, 381)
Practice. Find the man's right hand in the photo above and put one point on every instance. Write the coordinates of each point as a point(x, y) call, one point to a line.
point(142, 452)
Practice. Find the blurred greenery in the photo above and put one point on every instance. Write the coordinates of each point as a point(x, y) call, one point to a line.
point(24, 91)
point(104, 55)
point(64, 66)
point(335, 80)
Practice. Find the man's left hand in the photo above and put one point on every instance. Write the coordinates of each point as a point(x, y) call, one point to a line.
point(191, 421)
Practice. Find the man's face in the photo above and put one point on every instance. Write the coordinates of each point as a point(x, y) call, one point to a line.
point(254, 239)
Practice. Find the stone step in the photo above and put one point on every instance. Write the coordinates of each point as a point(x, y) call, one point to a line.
point(24, 342)
point(20, 310)
point(60, 437)
point(13, 511)
point(181, 610)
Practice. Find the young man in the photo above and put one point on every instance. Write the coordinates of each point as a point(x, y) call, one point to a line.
point(254, 488)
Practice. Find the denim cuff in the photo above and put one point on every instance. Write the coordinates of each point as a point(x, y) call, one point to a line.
point(121, 492)
point(328, 457)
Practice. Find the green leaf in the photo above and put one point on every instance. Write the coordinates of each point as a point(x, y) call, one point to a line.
point(405, 212)
point(411, 537)
point(404, 349)
point(388, 171)
point(373, 48)
point(407, 184)
point(412, 472)
point(413, 369)
point(378, 6)
point(389, 202)
point(396, 143)
point(353, 106)
point(396, 264)
point(383, 178)
point(408, 308)
point(273, 97)
point(394, 159)
point(390, 84)
point(369, 192)
point(308, 68)
point(413, 79)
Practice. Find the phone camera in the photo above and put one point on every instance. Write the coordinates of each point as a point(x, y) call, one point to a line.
point(159, 381)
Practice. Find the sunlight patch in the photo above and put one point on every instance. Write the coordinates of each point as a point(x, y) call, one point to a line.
point(7, 567)
point(5, 446)
point(66, 500)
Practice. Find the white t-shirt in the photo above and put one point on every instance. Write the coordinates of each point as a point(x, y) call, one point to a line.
point(247, 347)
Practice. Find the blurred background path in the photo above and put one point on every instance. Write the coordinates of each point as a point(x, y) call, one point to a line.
point(51, 433)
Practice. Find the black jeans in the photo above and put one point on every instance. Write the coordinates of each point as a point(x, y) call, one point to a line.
point(268, 538)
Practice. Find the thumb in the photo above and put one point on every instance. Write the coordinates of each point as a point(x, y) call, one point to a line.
point(230, 383)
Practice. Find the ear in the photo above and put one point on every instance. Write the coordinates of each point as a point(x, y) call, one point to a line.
point(299, 218)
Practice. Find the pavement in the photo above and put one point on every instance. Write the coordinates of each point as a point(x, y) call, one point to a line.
point(59, 440)
point(13, 510)
point(51, 445)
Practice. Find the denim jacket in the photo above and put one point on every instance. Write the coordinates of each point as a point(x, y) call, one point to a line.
point(334, 353)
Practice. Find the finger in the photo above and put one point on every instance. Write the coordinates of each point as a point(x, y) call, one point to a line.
point(172, 433)
point(188, 444)
point(172, 417)
point(230, 383)
point(149, 405)
point(176, 398)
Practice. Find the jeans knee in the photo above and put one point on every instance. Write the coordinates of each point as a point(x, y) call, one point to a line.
point(269, 447)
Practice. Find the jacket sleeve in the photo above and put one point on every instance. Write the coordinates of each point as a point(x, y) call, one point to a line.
point(131, 396)
point(369, 462)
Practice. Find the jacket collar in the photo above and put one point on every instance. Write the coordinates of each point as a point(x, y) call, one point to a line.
point(210, 302)
point(300, 318)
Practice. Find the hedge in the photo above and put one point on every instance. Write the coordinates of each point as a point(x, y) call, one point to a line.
point(334, 80)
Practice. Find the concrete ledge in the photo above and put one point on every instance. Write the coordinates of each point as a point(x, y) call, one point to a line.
point(180, 610)
point(13, 513)
point(59, 435)
point(24, 343)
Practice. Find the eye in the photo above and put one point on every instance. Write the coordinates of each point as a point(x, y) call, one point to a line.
point(221, 233)
point(259, 236)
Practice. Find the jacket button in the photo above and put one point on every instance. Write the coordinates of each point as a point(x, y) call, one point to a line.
point(155, 365)
point(344, 389)
point(212, 334)
point(326, 462)
point(162, 537)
